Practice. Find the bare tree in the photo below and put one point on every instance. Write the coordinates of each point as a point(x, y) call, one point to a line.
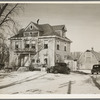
point(7, 13)
point(7, 25)
point(4, 51)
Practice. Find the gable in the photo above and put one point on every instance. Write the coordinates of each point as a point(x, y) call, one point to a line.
point(31, 27)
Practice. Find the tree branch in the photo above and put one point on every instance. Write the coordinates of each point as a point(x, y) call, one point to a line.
point(3, 8)
point(8, 14)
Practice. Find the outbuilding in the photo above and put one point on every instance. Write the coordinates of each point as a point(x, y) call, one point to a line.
point(88, 59)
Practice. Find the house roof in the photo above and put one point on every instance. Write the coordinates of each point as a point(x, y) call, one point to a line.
point(68, 39)
point(45, 29)
point(58, 27)
point(20, 34)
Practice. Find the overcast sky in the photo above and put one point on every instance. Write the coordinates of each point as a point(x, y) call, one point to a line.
point(82, 21)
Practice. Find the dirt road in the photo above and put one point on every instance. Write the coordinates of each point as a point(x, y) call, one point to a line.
point(42, 83)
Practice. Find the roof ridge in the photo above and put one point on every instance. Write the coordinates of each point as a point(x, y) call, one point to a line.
point(59, 25)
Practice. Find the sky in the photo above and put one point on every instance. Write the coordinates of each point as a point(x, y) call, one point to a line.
point(81, 20)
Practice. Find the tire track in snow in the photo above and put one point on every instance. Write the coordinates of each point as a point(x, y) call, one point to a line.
point(19, 82)
point(95, 82)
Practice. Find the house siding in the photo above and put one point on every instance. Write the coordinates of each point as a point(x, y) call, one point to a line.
point(61, 53)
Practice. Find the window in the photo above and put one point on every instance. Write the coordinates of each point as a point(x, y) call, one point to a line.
point(38, 60)
point(26, 34)
point(33, 46)
point(26, 45)
point(31, 27)
point(64, 48)
point(45, 60)
point(16, 45)
point(34, 34)
point(31, 33)
point(33, 60)
point(45, 46)
point(57, 46)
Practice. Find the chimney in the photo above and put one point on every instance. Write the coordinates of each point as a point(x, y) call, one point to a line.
point(38, 21)
point(92, 49)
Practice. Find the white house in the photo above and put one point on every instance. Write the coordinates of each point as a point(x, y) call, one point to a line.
point(39, 43)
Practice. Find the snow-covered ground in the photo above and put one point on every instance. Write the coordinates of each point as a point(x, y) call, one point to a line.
point(38, 82)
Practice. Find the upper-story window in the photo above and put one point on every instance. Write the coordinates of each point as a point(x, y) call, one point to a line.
point(33, 46)
point(64, 48)
point(57, 46)
point(46, 44)
point(27, 44)
point(16, 45)
point(26, 34)
point(31, 27)
point(33, 60)
point(34, 34)
point(31, 33)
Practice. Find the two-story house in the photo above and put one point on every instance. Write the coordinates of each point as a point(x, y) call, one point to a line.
point(39, 43)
